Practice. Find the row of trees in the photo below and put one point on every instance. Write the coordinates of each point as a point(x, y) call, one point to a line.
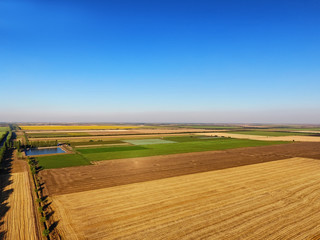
point(34, 144)
point(41, 199)
point(7, 143)
point(14, 127)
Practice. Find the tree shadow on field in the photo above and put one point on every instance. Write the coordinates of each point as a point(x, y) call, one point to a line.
point(44, 198)
point(53, 226)
point(3, 235)
point(50, 214)
point(46, 206)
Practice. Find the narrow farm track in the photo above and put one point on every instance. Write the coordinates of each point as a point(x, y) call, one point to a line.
point(274, 200)
point(125, 171)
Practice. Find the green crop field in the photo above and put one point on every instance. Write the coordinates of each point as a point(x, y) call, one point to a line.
point(190, 138)
point(184, 146)
point(2, 135)
point(270, 133)
point(4, 129)
point(147, 141)
point(64, 160)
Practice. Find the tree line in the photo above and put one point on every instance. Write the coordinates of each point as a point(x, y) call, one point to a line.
point(6, 144)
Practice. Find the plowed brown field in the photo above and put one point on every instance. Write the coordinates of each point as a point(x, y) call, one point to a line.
point(274, 200)
point(125, 171)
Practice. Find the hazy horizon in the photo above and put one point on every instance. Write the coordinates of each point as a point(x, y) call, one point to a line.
point(249, 117)
point(160, 61)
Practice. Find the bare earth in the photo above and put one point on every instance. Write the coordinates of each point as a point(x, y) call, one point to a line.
point(265, 138)
point(16, 211)
point(273, 200)
point(125, 171)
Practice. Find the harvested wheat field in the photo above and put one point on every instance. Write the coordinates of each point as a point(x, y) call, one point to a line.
point(274, 200)
point(17, 208)
point(266, 138)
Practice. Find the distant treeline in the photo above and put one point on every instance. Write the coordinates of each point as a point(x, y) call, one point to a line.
point(35, 144)
point(14, 127)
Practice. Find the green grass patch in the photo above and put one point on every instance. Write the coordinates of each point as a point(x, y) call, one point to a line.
point(64, 160)
point(191, 138)
point(147, 141)
point(108, 153)
point(109, 149)
point(4, 129)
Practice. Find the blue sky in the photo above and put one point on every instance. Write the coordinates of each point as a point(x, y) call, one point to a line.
point(173, 61)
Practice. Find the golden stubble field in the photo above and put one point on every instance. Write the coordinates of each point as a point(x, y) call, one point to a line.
point(273, 200)
point(265, 138)
point(19, 220)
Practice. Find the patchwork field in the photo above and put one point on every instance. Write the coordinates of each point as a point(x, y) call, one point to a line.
point(274, 200)
point(75, 127)
point(132, 170)
point(147, 147)
point(117, 152)
point(104, 135)
point(179, 183)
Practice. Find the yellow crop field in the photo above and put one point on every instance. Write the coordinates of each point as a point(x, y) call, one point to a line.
point(75, 127)
point(274, 200)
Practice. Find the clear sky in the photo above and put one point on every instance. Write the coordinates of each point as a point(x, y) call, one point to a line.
point(160, 61)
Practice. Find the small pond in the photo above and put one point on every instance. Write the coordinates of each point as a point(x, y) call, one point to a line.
point(43, 151)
